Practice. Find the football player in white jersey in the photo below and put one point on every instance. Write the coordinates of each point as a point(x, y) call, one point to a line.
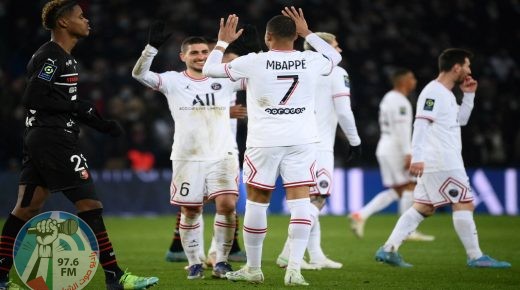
point(332, 107)
point(281, 130)
point(393, 154)
point(204, 156)
point(437, 161)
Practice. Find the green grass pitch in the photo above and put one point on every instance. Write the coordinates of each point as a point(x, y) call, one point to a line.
point(141, 242)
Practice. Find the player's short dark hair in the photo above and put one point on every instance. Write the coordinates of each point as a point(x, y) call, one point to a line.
point(281, 26)
point(54, 9)
point(398, 73)
point(451, 57)
point(192, 40)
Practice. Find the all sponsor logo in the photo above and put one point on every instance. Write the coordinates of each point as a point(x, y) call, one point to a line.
point(284, 111)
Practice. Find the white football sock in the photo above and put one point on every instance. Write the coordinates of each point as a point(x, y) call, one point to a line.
point(202, 255)
point(314, 245)
point(224, 231)
point(379, 202)
point(286, 249)
point(406, 201)
point(254, 232)
point(467, 231)
point(299, 230)
point(407, 223)
point(189, 230)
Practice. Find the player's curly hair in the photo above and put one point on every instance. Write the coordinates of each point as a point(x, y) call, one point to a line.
point(53, 10)
point(328, 37)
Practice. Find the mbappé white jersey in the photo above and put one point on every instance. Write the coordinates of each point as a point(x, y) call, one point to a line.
point(329, 90)
point(395, 125)
point(280, 95)
point(442, 145)
point(199, 107)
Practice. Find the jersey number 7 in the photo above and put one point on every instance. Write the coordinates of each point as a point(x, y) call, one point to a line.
point(291, 89)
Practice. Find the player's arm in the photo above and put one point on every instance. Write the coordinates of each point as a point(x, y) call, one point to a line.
point(341, 99)
point(38, 93)
point(141, 71)
point(402, 124)
point(426, 114)
point(227, 34)
point(314, 40)
point(469, 86)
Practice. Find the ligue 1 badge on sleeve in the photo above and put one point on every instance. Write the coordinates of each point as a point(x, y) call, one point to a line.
point(56, 250)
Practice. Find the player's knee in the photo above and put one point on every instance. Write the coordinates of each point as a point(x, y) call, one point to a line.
point(191, 211)
point(226, 206)
point(87, 204)
point(28, 212)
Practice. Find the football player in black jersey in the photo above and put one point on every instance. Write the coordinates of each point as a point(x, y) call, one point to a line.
point(52, 160)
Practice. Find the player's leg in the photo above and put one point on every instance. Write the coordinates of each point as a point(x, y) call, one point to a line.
point(405, 203)
point(260, 173)
point(187, 191)
point(297, 169)
point(223, 188)
point(391, 168)
point(176, 253)
point(457, 188)
point(30, 201)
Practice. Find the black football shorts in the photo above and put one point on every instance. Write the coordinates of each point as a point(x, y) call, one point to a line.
point(52, 159)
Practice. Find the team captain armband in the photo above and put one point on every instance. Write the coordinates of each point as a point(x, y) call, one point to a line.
point(47, 71)
point(428, 104)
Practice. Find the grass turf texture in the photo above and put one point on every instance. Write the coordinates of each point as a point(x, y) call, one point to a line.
point(140, 244)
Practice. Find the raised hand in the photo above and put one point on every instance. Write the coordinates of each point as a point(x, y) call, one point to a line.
point(228, 29)
point(297, 16)
point(469, 85)
point(156, 35)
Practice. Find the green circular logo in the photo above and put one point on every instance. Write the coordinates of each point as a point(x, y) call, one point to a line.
point(56, 250)
point(429, 103)
point(48, 69)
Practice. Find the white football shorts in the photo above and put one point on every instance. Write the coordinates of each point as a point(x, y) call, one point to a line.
point(324, 172)
point(295, 164)
point(393, 171)
point(194, 180)
point(444, 187)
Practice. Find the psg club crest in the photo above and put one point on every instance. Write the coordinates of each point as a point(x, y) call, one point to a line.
point(216, 86)
point(56, 250)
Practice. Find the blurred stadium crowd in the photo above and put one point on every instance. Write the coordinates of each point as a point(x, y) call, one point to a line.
point(376, 36)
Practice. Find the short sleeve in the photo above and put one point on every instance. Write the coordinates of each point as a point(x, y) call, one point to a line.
point(46, 67)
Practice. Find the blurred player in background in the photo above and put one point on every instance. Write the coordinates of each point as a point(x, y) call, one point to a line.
point(393, 154)
point(52, 160)
point(281, 130)
point(437, 162)
point(204, 154)
point(332, 107)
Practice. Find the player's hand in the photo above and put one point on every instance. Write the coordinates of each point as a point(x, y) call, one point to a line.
point(354, 153)
point(237, 112)
point(84, 109)
point(297, 16)
point(156, 35)
point(228, 29)
point(469, 85)
point(417, 169)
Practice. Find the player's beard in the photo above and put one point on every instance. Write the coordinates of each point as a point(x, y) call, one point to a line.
point(460, 79)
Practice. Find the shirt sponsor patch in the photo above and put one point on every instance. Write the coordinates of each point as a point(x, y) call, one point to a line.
point(402, 110)
point(47, 71)
point(428, 104)
point(347, 81)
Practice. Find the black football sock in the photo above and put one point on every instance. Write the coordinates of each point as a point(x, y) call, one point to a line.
point(11, 228)
point(107, 257)
point(176, 245)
